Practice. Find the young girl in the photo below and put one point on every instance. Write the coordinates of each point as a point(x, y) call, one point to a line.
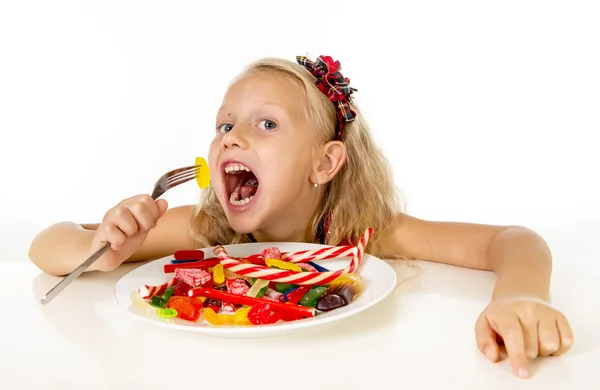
point(293, 160)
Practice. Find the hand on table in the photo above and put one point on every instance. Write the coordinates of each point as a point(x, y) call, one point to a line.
point(528, 328)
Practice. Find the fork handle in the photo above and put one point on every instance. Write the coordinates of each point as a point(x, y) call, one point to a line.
point(73, 275)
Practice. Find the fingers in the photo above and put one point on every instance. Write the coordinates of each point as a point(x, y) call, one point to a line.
point(135, 215)
point(514, 340)
point(565, 333)
point(486, 339)
point(549, 339)
point(530, 338)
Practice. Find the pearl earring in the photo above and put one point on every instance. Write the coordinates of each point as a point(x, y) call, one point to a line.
point(316, 185)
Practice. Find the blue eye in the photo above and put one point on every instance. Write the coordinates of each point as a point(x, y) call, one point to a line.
point(267, 124)
point(225, 127)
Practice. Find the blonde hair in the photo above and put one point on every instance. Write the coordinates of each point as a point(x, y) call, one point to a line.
point(361, 195)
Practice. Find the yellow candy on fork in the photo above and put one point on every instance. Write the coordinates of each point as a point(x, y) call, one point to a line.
point(203, 178)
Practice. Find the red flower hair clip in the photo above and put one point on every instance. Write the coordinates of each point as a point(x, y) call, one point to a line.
point(334, 85)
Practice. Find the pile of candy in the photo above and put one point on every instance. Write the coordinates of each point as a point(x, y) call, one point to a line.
point(256, 290)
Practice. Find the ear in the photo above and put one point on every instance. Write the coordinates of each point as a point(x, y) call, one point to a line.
point(329, 162)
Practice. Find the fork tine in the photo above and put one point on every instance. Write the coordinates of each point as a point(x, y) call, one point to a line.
point(183, 179)
point(177, 172)
point(192, 173)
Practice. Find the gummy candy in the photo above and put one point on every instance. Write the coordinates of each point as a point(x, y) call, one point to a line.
point(329, 302)
point(307, 267)
point(271, 253)
point(193, 254)
point(192, 277)
point(203, 178)
point(260, 314)
point(257, 286)
point(227, 307)
point(237, 286)
point(294, 296)
point(181, 289)
point(282, 264)
point(241, 316)
point(318, 267)
point(218, 274)
point(186, 309)
point(202, 264)
point(140, 303)
point(311, 297)
point(348, 286)
point(272, 295)
point(283, 287)
point(213, 304)
point(217, 319)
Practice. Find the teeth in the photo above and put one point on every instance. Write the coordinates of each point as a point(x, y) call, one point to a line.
point(233, 199)
point(234, 167)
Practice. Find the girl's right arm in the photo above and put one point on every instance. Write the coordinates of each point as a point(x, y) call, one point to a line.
point(138, 229)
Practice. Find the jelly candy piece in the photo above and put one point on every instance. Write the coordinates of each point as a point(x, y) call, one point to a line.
point(270, 262)
point(185, 309)
point(272, 295)
point(203, 178)
point(283, 287)
point(197, 302)
point(185, 255)
point(237, 286)
point(227, 307)
point(271, 253)
point(318, 267)
point(307, 267)
point(329, 302)
point(348, 286)
point(181, 289)
point(262, 291)
point(192, 276)
point(217, 319)
point(311, 297)
point(213, 304)
point(241, 316)
point(140, 303)
point(260, 314)
point(257, 287)
point(218, 274)
point(294, 295)
point(158, 301)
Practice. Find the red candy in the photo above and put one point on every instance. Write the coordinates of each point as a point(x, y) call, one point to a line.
point(294, 296)
point(271, 253)
point(237, 286)
point(261, 314)
point(272, 295)
point(227, 307)
point(181, 290)
point(189, 255)
point(187, 309)
point(307, 267)
point(192, 277)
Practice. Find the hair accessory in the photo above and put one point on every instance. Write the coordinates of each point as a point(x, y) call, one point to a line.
point(334, 85)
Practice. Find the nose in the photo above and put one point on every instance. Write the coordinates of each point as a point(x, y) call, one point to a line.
point(235, 137)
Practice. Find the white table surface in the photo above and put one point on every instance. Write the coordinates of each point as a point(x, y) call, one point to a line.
point(421, 337)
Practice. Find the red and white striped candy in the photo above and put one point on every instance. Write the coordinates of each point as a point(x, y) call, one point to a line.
point(150, 291)
point(299, 278)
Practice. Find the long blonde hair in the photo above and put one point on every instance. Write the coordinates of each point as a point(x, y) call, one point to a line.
point(361, 195)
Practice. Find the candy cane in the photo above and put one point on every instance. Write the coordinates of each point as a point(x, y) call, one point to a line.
point(299, 278)
point(150, 291)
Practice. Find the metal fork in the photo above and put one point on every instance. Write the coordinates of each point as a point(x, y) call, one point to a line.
point(165, 182)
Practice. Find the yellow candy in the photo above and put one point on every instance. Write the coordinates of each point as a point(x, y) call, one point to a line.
point(282, 264)
point(218, 274)
point(217, 319)
point(203, 178)
point(241, 316)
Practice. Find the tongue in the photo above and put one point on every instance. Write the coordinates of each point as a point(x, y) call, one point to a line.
point(247, 187)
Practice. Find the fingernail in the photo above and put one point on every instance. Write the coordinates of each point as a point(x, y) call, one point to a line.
point(523, 372)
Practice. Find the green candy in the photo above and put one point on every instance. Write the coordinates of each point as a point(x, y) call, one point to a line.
point(262, 291)
point(158, 301)
point(283, 287)
point(312, 296)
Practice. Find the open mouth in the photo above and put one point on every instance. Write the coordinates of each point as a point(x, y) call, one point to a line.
point(241, 184)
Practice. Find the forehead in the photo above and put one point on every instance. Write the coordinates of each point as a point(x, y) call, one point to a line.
point(267, 89)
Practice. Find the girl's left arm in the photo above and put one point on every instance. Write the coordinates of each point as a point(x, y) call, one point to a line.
point(519, 311)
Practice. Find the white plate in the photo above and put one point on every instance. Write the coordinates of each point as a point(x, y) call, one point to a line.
point(379, 281)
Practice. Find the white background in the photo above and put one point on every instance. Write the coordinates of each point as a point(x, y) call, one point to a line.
point(489, 111)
